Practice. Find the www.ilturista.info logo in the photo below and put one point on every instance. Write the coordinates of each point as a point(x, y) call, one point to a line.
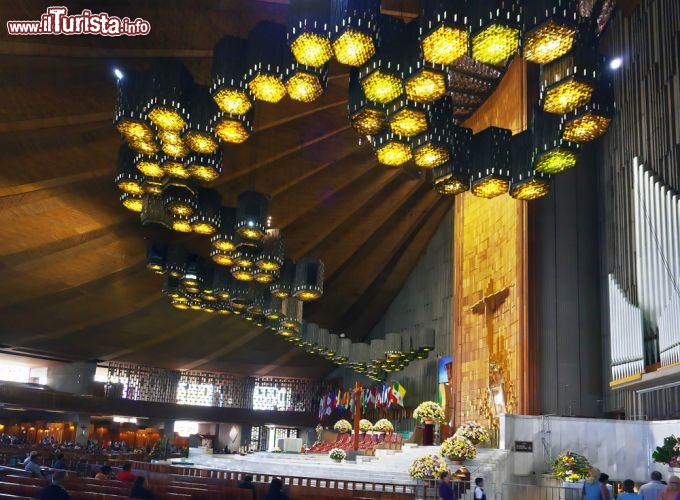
point(56, 21)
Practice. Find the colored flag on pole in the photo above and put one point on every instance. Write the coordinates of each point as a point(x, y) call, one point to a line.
point(398, 391)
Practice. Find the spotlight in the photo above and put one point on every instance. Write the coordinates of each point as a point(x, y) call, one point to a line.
point(615, 63)
point(118, 73)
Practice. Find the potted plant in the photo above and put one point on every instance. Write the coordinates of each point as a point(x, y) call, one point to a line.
point(428, 412)
point(668, 453)
point(337, 455)
point(571, 467)
point(473, 431)
point(428, 467)
point(276, 449)
point(383, 425)
point(365, 425)
point(342, 426)
point(458, 448)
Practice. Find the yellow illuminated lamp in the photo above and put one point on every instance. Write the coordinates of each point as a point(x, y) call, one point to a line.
point(555, 160)
point(586, 127)
point(231, 130)
point(233, 101)
point(178, 207)
point(304, 87)
point(451, 184)
point(222, 244)
point(203, 227)
point(311, 49)
point(530, 189)
point(207, 308)
point(242, 273)
point(201, 142)
point(548, 41)
point(368, 121)
point(181, 224)
point(431, 155)
point(205, 168)
point(308, 295)
point(445, 44)
point(195, 305)
point(175, 149)
point(149, 165)
point(566, 96)
point(175, 168)
point(180, 303)
point(489, 187)
point(166, 118)
point(135, 130)
point(353, 47)
point(426, 86)
point(244, 258)
point(223, 308)
point(221, 258)
point(382, 87)
point(495, 43)
point(130, 186)
point(286, 332)
point(262, 276)
point(408, 122)
point(132, 202)
point(267, 88)
point(145, 147)
point(394, 153)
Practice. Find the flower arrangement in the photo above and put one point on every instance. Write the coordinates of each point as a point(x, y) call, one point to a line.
point(337, 454)
point(669, 452)
point(458, 447)
point(342, 426)
point(571, 466)
point(428, 467)
point(473, 431)
point(276, 449)
point(428, 410)
point(383, 425)
point(365, 425)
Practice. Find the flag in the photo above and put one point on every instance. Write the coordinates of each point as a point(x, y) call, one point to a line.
point(322, 406)
point(329, 401)
point(399, 391)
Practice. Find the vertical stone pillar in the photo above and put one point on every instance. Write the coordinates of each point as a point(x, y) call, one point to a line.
point(82, 430)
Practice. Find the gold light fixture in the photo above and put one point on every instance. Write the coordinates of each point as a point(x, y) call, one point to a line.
point(430, 150)
point(555, 160)
point(366, 117)
point(407, 118)
point(442, 33)
point(222, 258)
point(530, 188)
point(551, 154)
point(224, 238)
point(132, 202)
point(283, 288)
point(234, 128)
point(382, 86)
point(174, 168)
point(129, 118)
point(569, 82)
point(381, 76)
point(591, 120)
point(426, 85)
point(309, 32)
point(549, 40)
point(172, 143)
point(251, 215)
point(391, 150)
point(149, 165)
point(527, 184)
point(199, 136)
point(308, 284)
point(128, 178)
point(497, 36)
point(446, 181)
point(491, 162)
point(567, 95)
point(353, 31)
point(266, 54)
point(265, 277)
point(205, 218)
point(272, 254)
point(304, 83)
point(179, 199)
point(169, 94)
point(181, 224)
point(242, 273)
point(205, 168)
point(228, 89)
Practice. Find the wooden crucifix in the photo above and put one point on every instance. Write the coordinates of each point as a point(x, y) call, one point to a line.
point(488, 305)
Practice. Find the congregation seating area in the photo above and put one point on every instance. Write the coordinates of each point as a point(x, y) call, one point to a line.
point(367, 442)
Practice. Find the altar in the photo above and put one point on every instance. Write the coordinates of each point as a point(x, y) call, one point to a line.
point(289, 445)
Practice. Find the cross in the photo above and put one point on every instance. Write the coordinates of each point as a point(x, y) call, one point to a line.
point(488, 305)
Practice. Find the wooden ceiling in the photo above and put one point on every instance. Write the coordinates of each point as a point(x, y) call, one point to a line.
point(73, 280)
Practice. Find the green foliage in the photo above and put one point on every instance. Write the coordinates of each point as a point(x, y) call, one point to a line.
point(667, 453)
point(158, 450)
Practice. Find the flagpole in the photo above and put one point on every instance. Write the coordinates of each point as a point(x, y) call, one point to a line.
point(357, 415)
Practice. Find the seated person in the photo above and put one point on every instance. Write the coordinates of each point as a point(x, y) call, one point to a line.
point(247, 484)
point(125, 474)
point(28, 457)
point(275, 492)
point(139, 491)
point(105, 472)
point(55, 491)
point(34, 467)
point(59, 462)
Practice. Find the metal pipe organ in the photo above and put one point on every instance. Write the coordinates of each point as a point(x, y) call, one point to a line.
point(626, 332)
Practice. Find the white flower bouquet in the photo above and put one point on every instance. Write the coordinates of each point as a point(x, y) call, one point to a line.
point(473, 431)
point(337, 454)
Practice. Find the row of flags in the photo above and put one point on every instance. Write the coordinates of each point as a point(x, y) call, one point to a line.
point(381, 397)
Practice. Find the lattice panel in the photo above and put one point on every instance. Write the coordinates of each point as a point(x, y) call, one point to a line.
point(215, 389)
point(142, 383)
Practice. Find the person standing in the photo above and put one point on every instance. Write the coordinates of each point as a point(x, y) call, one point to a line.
point(672, 491)
point(445, 489)
point(594, 488)
point(628, 491)
point(652, 489)
point(275, 492)
point(479, 489)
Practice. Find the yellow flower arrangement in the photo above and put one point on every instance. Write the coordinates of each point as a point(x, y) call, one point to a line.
point(365, 425)
point(571, 466)
point(342, 426)
point(458, 447)
point(427, 467)
point(428, 410)
point(383, 425)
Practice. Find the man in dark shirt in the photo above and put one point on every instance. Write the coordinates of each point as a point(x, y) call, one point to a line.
point(445, 488)
point(247, 484)
point(56, 491)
